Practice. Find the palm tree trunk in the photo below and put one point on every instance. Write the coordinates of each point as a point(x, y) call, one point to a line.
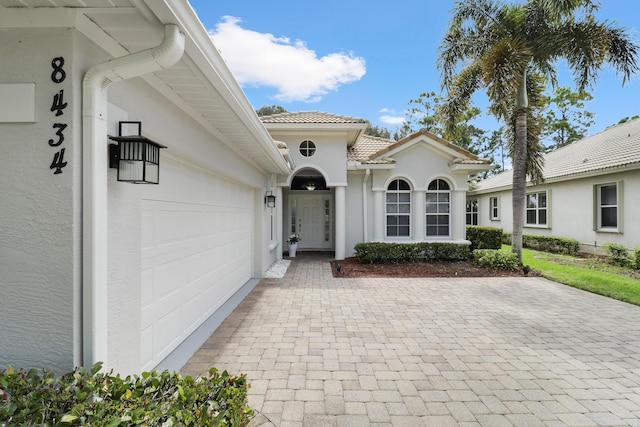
point(519, 170)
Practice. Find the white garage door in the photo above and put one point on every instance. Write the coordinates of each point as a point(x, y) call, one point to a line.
point(196, 253)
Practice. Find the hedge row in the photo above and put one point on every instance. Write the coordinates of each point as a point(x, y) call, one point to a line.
point(496, 258)
point(554, 244)
point(81, 398)
point(623, 256)
point(382, 252)
point(484, 237)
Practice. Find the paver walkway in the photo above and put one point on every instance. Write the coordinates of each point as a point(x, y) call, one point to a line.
point(321, 351)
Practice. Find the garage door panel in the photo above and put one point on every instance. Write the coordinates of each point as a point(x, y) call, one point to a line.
point(196, 254)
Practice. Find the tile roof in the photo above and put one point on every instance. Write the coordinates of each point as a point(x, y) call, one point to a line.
point(306, 117)
point(366, 146)
point(612, 148)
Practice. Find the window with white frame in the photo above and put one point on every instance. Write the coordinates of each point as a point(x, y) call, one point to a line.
point(494, 212)
point(607, 206)
point(398, 208)
point(536, 208)
point(438, 208)
point(307, 148)
point(472, 211)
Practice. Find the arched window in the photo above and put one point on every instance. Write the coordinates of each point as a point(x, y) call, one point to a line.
point(398, 208)
point(438, 209)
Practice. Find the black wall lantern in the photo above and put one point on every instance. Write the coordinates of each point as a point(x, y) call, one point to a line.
point(270, 200)
point(136, 157)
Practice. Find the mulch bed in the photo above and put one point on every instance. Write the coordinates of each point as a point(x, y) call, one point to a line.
point(350, 267)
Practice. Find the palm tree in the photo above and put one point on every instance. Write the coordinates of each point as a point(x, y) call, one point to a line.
point(501, 47)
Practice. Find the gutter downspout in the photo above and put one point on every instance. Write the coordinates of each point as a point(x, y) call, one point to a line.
point(94, 189)
point(365, 213)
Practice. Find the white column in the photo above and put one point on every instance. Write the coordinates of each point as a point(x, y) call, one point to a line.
point(418, 232)
point(458, 215)
point(341, 220)
point(279, 221)
point(378, 216)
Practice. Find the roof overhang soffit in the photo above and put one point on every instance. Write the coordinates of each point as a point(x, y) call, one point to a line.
point(201, 61)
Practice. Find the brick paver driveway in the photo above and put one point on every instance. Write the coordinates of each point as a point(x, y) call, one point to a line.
point(321, 351)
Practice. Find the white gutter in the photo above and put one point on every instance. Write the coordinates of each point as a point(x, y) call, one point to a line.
point(365, 225)
point(94, 190)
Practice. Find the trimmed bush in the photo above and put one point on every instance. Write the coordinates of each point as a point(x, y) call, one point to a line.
point(484, 237)
point(619, 254)
point(636, 257)
point(553, 244)
point(81, 398)
point(383, 252)
point(496, 258)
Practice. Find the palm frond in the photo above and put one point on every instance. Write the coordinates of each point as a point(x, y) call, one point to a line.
point(503, 67)
point(556, 10)
point(458, 98)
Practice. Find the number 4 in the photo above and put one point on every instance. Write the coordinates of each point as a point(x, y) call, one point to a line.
point(58, 162)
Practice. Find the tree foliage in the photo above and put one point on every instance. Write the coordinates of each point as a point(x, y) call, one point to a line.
point(565, 119)
point(503, 48)
point(269, 110)
point(379, 131)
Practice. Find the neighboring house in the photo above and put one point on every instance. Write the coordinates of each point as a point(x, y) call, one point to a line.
point(589, 192)
point(347, 187)
point(139, 276)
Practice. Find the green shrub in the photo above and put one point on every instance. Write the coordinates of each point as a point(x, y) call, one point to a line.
point(383, 252)
point(506, 238)
point(553, 244)
point(496, 258)
point(619, 254)
point(484, 237)
point(636, 257)
point(81, 398)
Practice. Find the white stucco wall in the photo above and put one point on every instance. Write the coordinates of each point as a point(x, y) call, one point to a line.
point(39, 268)
point(571, 210)
point(419, 165)
point(330, 156)
point(355, 209)
point(40, 221)
point(196, 170)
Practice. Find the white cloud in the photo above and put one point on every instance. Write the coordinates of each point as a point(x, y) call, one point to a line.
point(391, 117)
point(297, 73)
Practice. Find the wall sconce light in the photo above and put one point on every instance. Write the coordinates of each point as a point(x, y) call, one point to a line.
point(310, 186)
point(270, 200)
point(136, 157)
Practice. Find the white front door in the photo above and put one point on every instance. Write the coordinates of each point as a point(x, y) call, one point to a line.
point(311, 217)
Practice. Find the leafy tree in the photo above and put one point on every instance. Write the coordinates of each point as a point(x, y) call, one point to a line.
point(379, 131)
point(626, 119)
point(269, 110)
point(501, 47)
point(566, 120)
point(422, 114)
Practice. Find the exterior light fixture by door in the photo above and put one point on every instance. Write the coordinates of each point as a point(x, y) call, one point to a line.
point(270, 200)
point(136, 157)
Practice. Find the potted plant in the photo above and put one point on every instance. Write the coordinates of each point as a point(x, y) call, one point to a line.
point(293, 244)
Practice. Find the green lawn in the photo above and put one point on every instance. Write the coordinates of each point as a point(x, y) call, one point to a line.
point(589, 274)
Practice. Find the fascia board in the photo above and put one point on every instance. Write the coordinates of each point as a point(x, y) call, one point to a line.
point(565, 178)
point(464, 167)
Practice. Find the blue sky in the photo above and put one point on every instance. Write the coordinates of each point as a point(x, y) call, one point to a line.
point(367, 59)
